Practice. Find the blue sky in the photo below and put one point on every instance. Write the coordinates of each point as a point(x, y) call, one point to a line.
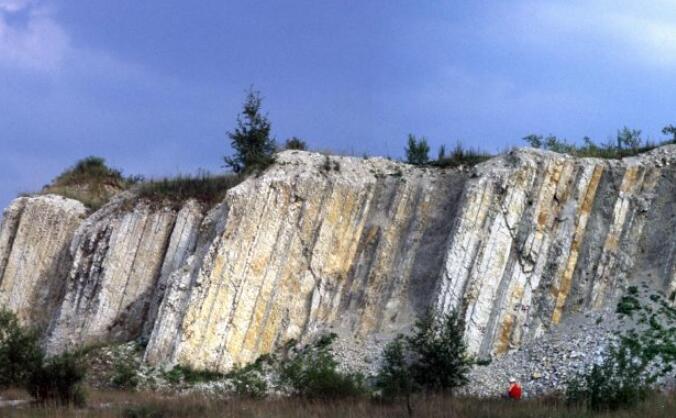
point(153, 86)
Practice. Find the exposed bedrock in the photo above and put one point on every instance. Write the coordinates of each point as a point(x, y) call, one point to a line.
point(122, 256)
point(315, 243)
point(34, 259)
point(359, 247)
point(542, 235)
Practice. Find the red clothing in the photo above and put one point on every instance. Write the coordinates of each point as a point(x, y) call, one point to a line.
point(514, 391)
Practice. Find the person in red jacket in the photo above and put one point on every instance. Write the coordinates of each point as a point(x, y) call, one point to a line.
point(514, 391)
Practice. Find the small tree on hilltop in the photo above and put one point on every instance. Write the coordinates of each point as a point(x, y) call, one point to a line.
point(533, 140)
point(417, 151)
point(295, 143)
point(670, 130)
point(442, 152)
point(251, 141)
point(629, 138)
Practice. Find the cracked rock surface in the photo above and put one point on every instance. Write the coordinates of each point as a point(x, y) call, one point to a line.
point(521, 245)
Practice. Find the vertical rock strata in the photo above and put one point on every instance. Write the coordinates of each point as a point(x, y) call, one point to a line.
point(542, 235)
point(117, 259)
point(316, 242)
point(34, 260)
point(359, 247)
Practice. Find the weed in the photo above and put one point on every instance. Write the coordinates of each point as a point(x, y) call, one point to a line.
point(208, 190)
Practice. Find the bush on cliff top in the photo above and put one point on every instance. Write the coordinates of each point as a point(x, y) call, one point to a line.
point(91, 182)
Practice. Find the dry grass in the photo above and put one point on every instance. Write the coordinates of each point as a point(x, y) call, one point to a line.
point(205, 188)
point(111, 404)
point(91, 182)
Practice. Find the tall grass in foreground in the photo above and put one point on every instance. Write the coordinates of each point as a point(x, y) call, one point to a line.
point(111, 404)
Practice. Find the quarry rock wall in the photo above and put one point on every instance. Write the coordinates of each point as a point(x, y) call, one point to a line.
point(359, 247)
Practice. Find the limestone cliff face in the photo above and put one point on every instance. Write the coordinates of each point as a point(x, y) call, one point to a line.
point(315, 243)
point(359, 247)
point(34, 238)
point(121, 256)
point(542, 235)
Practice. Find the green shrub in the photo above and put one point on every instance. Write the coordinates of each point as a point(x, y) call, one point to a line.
point(312, 373)
point(182, 374)
point(59, 380)
point(417, 151)
point(433, 358)
point(249, 381)
point(619, 381)
point(295, 144)
point(632, 365)
point(627, 305)
point(88, 170)
point(91, 182)
point(395, 378)
point(175, 375)
point(20, 352)
point(125, 375)
point(23, 364)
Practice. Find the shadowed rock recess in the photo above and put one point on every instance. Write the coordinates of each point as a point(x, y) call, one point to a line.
point(359, 247)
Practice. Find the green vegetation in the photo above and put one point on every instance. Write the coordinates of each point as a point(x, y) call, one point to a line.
point(295, 143)
point(627, 305)
point(182, 374)
point(629, 368)
point(329, 164)
point(59, 379)
point(20, 352)
point(249, 381)
point(312, 372)
point(91, 170)
point(670, 130)
point(254, 147)
point(91, 182)
point(460, 156)
point(628, 143)
point(23, 364)
point(433, 359)
point(417, 150)
point(125, 376)
point(205, 188)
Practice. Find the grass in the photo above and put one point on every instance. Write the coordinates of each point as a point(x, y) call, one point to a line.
point(591, 149)
point(207, 189)
point(91, 182)
point(109, 404)
point(462, 156)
